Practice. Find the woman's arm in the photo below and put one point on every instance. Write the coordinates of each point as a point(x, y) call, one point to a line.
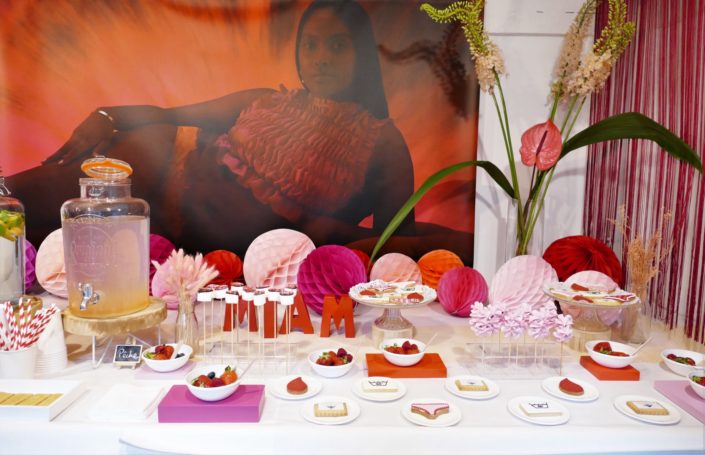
point(95, 132)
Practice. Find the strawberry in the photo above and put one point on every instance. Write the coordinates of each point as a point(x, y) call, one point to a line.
point(229, 376)
point(603, 347)
point(341, 352)
point(577, 287)
point(160, 356)
point(406, 345)
point(217, 382)
point(619, 354)
point(202, 381)
point(168, 351)
point(348, 358)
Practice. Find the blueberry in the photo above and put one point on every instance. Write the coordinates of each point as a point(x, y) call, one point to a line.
point(211, 375)
point(179, 355)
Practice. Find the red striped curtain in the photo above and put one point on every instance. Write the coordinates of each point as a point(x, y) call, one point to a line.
point(662, 75)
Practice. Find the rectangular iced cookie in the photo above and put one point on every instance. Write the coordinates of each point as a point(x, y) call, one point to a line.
point(471, 385)
point(330, 409)
point(378, 386)
point(539, 409)
point(653, 408)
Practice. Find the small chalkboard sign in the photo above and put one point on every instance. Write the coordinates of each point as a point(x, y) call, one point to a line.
point(127, 355)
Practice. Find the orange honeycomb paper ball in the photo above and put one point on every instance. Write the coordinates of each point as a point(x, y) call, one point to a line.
point(435, 263)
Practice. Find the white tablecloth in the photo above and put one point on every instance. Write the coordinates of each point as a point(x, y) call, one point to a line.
point(486, 426)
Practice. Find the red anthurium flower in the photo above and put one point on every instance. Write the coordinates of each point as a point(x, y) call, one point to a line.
point(541, 145)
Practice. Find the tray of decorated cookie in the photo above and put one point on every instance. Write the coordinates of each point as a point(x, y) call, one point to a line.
point(590, 295)
point(388, 294)
point(36, 399)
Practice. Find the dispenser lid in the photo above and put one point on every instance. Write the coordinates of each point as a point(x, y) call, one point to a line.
point(101, 167)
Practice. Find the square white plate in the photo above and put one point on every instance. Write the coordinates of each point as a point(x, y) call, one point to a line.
point(70, 390)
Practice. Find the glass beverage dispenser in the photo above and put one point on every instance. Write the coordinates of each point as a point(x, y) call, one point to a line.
point(106, 243)
point(12, 240)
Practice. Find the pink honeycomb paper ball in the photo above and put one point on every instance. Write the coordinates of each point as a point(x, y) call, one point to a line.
point(395, 267)
point(520, 280)
point(49, 267)
point(329, 270)
point(30, 257)
point(161, 290)
point(159, 250)
point(273, 259)
point(460, 288)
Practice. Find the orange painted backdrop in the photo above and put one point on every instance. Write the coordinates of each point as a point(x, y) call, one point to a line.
point(61, 59)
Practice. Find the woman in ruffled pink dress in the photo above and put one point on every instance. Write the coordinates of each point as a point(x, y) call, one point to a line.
point(219, 173)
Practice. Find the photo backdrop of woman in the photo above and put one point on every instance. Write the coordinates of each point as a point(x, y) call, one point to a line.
point(208, 96)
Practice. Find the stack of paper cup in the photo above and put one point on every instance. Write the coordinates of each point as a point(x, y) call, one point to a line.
point(51, 355)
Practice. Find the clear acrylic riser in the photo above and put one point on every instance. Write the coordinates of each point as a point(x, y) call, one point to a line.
point(240, 345)
point(523, 358)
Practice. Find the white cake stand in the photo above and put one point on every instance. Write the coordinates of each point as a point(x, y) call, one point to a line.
point(391, 324)
point(590, 321)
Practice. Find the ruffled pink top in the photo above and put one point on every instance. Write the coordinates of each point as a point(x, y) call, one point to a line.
point(300, 154)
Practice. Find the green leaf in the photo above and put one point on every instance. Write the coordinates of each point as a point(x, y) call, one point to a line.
point(430, 182)
point(633, 125)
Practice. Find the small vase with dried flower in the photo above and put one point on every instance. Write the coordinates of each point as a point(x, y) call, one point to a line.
point(184, 275)
point(644, 258)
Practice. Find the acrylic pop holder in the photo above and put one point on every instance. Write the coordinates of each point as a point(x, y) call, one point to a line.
point(243, 323)
point(507, 358)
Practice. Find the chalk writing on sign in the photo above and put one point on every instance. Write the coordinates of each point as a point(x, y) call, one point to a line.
point(125, 353)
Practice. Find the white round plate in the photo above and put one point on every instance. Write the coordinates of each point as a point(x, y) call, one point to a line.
point(550, 386)
point(491, 392)
point(446, 420)
point(673, 415)
point(308, 412)
point(514, 407)
point(277, 387)
point(379, 396)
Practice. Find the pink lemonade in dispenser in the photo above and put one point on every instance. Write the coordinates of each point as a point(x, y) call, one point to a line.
point(106, 243)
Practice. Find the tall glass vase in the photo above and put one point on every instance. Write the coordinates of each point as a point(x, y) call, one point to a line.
point(186, 322)
point(636, 320)
point(514, 246)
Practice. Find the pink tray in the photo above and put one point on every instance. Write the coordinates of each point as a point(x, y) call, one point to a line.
point(681, 394)
point(180, 406)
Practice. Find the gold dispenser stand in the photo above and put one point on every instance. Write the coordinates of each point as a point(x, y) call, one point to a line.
point(147, 318)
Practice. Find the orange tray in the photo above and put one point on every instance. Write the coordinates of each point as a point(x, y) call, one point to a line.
point(628, 373)
point(431, 366)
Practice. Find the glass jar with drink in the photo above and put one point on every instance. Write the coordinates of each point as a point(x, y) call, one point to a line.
point(12, 244)
point(106, 243)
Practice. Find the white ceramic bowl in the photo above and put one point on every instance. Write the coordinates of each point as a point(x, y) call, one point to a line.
point(403, 360)
point(212, 393)
point(611, 361)
point(680, 368)
point(165, 366)
point(334, 371)
point(697, 388)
